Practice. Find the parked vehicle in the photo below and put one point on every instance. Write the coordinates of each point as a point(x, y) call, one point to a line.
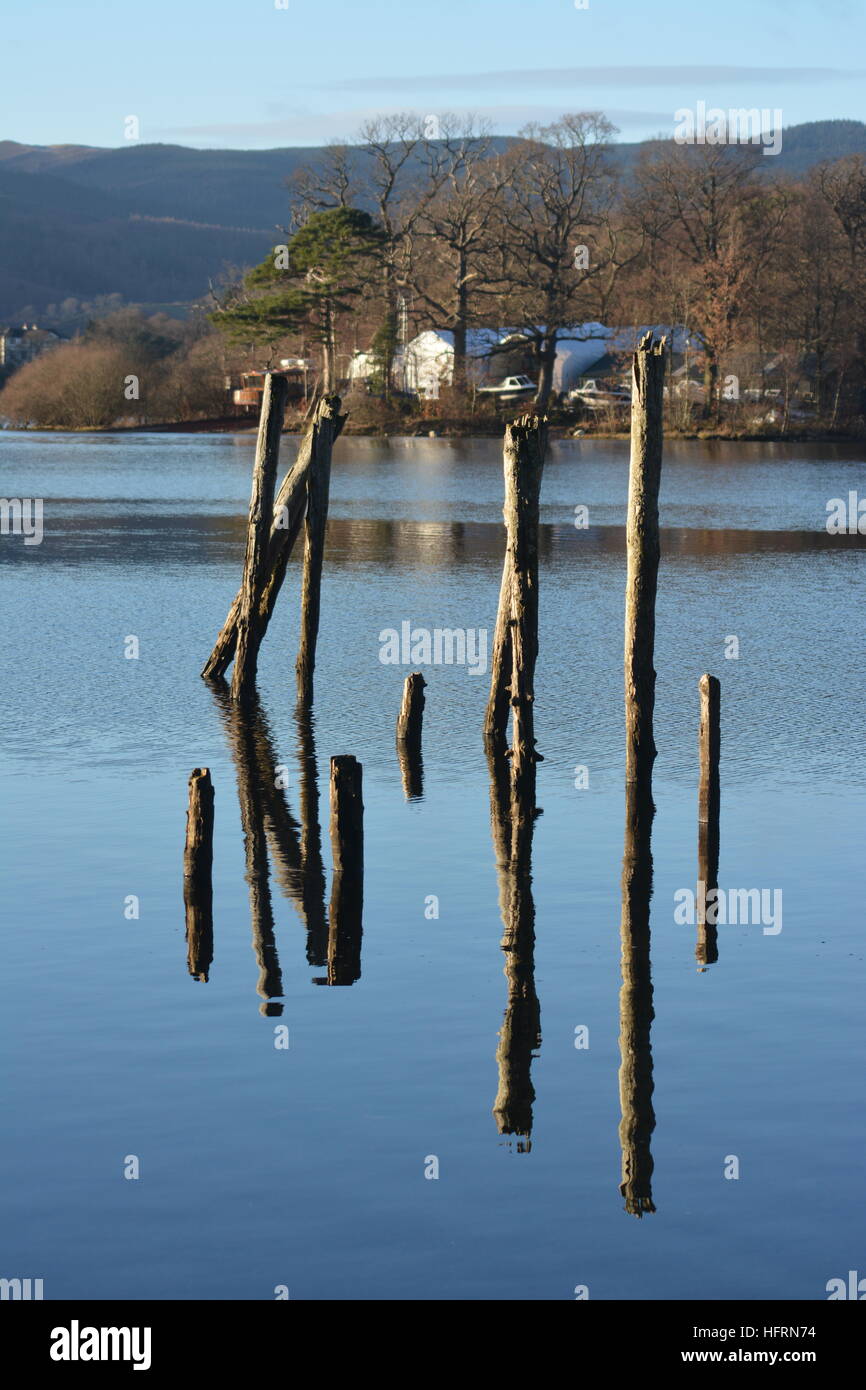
point(511, 389)
point(593, 396)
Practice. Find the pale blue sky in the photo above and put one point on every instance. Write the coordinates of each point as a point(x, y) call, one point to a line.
point(245, 74)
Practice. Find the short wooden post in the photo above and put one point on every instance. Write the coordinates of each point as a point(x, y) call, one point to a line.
point(515, 639)
point(325, 429)
point(250, 630)
point(197, 873)
point(347, 890)
point(709, 797)
point(409, 727)
point(642, 539)
point(410, 718)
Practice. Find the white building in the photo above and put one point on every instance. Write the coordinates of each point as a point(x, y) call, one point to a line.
point(427, 362)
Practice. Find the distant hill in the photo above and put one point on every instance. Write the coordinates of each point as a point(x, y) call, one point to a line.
point(155, 223)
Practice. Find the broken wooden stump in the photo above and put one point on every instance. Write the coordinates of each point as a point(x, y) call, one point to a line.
point(709, 798)
point(326, 427)
point(347, 889)
point(642, 540)
point(515, 640)
point(197, 873)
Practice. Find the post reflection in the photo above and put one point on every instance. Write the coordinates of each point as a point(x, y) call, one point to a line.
point(636, 1001)
point(512, 818)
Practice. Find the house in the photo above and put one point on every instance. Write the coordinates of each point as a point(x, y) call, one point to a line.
point(426, 363)
point(21, 344)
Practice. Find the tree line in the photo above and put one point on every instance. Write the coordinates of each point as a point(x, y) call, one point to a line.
point(436, 223)
point(546, 231)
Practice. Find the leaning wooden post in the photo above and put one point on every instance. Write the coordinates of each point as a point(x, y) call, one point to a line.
point(249, 629)
point(347, 890)
point(325, 430)
point(706, 950)
point(197, 873)
point(288, 517)
point(642, 539)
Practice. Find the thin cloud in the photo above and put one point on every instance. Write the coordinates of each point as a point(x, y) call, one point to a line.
point(631, 76)
point(313, 128)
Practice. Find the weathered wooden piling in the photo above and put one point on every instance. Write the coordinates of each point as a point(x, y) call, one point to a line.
point(636, 1001)
point(325, 429)
point(250, 629)
point(197, 873)
point(515, 639)
point(642, 539)
point(709, 799)
point(288, 516)
point(347, 889)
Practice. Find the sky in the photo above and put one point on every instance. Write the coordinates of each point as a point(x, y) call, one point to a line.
point(255, 74)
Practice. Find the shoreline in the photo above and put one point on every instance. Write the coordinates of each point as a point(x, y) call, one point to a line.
point(431, 429)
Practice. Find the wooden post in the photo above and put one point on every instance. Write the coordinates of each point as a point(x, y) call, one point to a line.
point(325, 428)
point(249, 628)
point(525, 442)
point(197, 873)
point(706, 950)
point(515, 639)
point(642, 539)
point(288, 516)
point(347, 889)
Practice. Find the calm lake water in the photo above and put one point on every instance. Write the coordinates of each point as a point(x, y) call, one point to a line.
point(305, 1166)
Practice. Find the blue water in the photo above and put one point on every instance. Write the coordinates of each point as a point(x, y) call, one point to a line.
point(305, 1166)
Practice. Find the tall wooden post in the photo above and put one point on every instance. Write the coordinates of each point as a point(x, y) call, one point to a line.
point(347, 889)
point(197, 873)
point(515, 640)
point(325, 429)
point(249, 628)
point(709, 798)
point(642, 539)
